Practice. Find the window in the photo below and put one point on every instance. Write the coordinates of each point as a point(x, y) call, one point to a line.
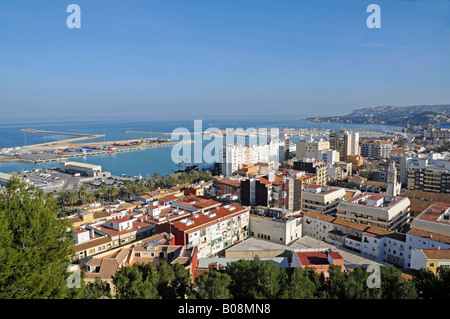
point(432, 265)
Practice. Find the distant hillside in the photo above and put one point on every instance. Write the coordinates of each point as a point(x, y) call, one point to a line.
point(392, 115)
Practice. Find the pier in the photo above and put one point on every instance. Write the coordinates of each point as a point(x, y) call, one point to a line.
point(80, 137)
point(159, 133)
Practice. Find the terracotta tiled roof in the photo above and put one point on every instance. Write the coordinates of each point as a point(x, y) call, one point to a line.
point(317, 215)
point(436, 253)
point(231, 182)
point(309, 258)
point(434, 197)
point(203, 220)
point(426, 234)
point(93, 243)
point(349, 224)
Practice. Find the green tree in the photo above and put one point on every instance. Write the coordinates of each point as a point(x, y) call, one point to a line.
point(270, 279)
point(255, 279)
point(334, 285)
point(431, 286)
point(90, 290)
point(174, 281)
point(301, 285)
point(134, 282)
point(213, 285)
point(243, 278)
point(355, 286)
point(72, 198)
point(96, 290)
point(394, 286)
point(35, 246)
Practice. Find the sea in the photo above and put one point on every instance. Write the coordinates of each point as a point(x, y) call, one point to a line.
point(151, 160)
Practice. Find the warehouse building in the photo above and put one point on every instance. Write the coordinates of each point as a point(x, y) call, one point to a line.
point(84, 169)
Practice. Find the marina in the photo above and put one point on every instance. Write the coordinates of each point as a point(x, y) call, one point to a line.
point(57, 151)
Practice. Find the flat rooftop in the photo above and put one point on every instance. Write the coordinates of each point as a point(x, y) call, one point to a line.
point(351, 259)
point(435, 212)
point(374, 200)
point(320, 190)
point(84, 165)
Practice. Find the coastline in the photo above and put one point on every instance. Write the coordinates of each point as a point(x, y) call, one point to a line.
point(49, 157)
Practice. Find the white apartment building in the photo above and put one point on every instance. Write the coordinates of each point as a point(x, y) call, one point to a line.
point(211, 231)
point(436, 161)
point(323, 199)
point(384, 246)
point(317, 225)
point(329, 156)
point(234, 156)
point(276, 228)
point(390, 212)
point(378, 149)
point(310, 148)
point(430, 229)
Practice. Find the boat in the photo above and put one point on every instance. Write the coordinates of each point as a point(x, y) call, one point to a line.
point(187, 168)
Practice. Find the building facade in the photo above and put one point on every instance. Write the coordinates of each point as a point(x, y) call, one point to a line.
point(390, 212)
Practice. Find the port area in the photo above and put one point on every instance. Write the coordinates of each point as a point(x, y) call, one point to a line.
point(52, 180)
point(64, 150)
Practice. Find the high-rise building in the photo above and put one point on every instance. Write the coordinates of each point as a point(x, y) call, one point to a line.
point(378, 149)
point(346, 143)
point(329, 156)
point(234, 156)
point(311, 148)
point(429, 180)
point(319, 168)
point(433, 161)
point(255, 192)
point(284, 147)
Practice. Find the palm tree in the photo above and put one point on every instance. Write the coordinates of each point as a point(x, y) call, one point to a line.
point(90, 197)
point(82, 193)
point(103, 190)
point(72, 198)
point(112, 192)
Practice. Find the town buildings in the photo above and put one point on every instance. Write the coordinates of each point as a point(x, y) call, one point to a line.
point(433, 163)
point(319, 259)
point(211, 231)
point(155, 250)
point(234, 156)
point(430, 258)
point(346, 143)
point(429, 180)
point(313, 166)
point(378, 149)
point(310, 147)
point(329, 156)
point(430, 230)
point(390, 212)
point(323, 199)
point(274, 225)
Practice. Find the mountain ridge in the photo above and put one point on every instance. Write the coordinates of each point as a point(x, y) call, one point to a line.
point(392, 115)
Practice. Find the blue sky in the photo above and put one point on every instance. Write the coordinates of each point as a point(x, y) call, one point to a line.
point(220, 57)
